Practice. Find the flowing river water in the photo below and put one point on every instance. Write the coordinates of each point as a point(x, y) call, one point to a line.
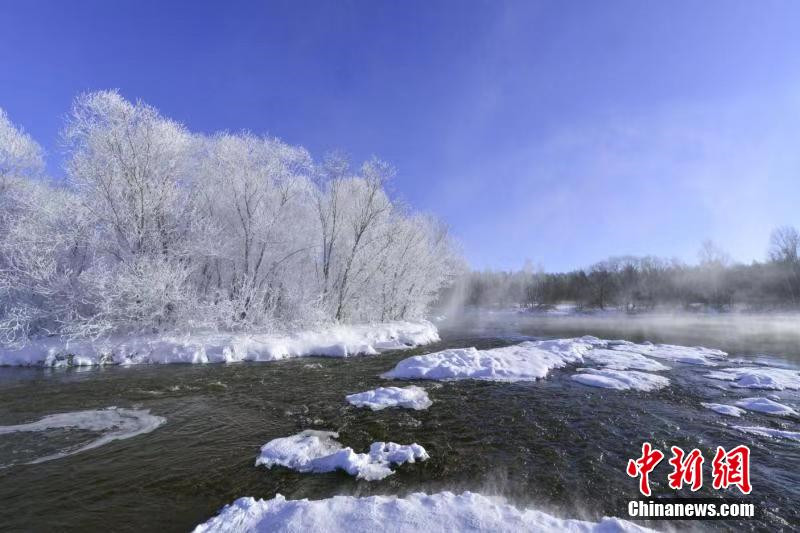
point(553, 444)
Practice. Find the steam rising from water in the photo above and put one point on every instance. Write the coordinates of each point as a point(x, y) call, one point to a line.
point(736, 333)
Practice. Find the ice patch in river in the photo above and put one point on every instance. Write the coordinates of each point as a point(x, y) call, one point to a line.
point(411, 397)
point(114, 424)
point(444, 512)
point(534, 359)
point(769, 432)
point(624, 360)
point(694, 355)
point(620, 379)
point(759, 377)
point(333, 341)
point(765, 405)
point(525, 361)
point(318, 451)
point(723, 409)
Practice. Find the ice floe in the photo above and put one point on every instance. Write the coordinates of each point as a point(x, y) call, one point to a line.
point(724, 409)
point(114, 424)
point(532, 360)
point(693, 355)
point(205, 347)
point(624, 360)
point(765, 405)
point(525, 361)
point(411, 397)
point(770, 432)
point(759, 377)
point(319, 451)
point(620, 379)
point(443, 512)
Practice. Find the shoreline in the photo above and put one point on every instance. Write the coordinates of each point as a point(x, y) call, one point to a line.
point(206, 347)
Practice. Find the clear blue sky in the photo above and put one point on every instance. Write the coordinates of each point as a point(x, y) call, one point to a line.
point(560, 132)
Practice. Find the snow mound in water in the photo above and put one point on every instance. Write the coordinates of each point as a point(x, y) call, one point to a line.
point(765, 405)
point(620, 379)
point(318, 451)
point(334, 341)
point(623, 360)
point(696, 355)
point(526, 361)
point(723, 409)
point(411, 397)
point(759, 377)
point(443, 512)
point(769, 432)
point(114, 424)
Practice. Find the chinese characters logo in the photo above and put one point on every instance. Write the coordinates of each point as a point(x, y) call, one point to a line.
point(728, 468)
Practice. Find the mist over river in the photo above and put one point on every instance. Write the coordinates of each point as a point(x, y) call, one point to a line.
point(553, 444)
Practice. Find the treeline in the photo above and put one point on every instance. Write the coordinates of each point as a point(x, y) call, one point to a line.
point(643, 283)
point(158, 228)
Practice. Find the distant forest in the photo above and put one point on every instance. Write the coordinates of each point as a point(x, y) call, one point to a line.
point(643, 283)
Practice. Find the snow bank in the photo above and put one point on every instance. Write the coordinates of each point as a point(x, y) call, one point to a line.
point(318, 451)
point(334, 341)
point(443, 512)
point(534, 359)
point(526, 361)
point(114, 424)
point(624, 360)
point(695, 355)
point(769, 432)
point(765, 405)
point(759, 377)
point(620, 379)
point(411, 397)
point(723, 409)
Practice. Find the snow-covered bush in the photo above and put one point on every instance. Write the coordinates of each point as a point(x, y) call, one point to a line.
point(160, 229)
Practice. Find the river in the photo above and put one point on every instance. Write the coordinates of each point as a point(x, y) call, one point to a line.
point(553, 444)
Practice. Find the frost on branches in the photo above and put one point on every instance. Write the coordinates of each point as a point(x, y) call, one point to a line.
point(157, 229)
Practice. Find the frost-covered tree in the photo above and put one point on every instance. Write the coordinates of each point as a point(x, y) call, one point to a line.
point(784, 245)
point(44, 243)
point(158, 229)
point(257, 192)
point(784, 252)
point(128, 165)
point(20, 155)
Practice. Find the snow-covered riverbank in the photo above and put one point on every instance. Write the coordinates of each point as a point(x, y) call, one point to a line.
point(213, 347)
point(442, 512)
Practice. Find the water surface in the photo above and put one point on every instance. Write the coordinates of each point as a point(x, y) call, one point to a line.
point(552, 444)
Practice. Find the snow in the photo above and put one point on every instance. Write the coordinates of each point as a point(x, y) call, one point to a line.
point(620, 360)
point(411, 397)
point(765, 405)
point(620, 379)
point(696, 355)
point(525, 361)
point(114, 424)
point(443, 512)
point(624, 360)
point(769, 432)
point(318, 451)
point(212, 347)
point(724, 409)
point(759, 377)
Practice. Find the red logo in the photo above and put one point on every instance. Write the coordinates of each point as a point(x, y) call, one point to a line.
point(644, 465)
point(732, 468)
point(727, 469)
point(686, 469)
